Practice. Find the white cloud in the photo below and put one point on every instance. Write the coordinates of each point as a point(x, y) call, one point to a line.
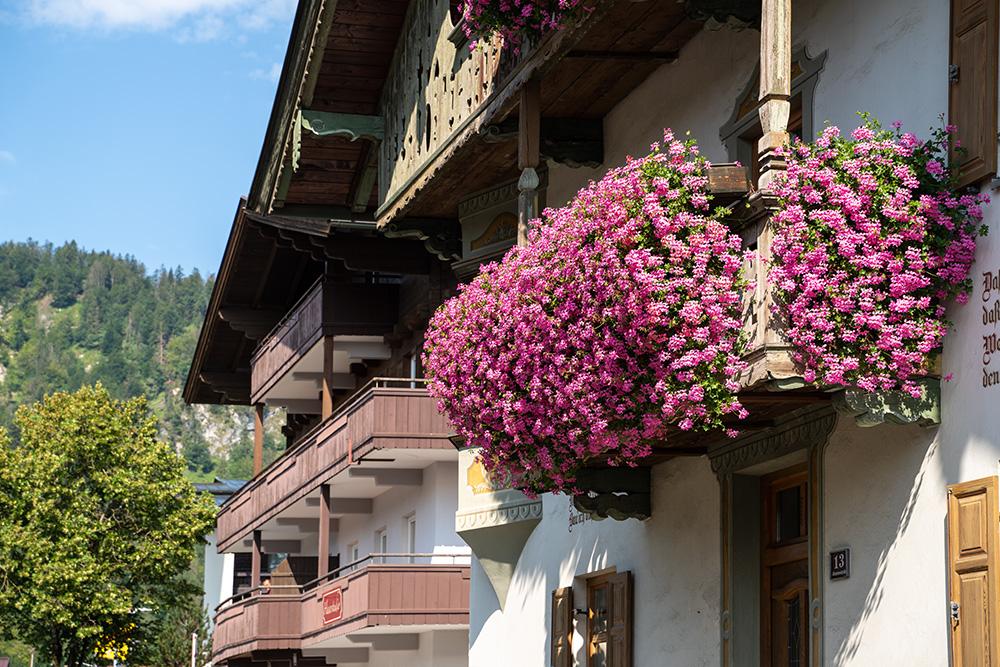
point(6, 157)
point(272, 74)
point(196, 20)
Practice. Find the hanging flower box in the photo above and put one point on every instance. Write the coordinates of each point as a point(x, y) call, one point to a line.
point(619, 321)
point(871, 239)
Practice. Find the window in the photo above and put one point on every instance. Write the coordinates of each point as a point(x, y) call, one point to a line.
point(381, 544)
point(353, 554)
point(609, 620)
point(411, 536)
point(742, 131)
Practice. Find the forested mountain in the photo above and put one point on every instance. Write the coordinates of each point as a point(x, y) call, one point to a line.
point(70, 317)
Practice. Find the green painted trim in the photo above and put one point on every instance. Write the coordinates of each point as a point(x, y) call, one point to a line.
point(349, 125)
point(874, 408)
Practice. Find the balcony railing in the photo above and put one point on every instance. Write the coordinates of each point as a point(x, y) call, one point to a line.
point(387, 413)
point(327, 308)
point(383, 589)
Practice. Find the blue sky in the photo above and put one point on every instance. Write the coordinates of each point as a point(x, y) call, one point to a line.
point(134, 125)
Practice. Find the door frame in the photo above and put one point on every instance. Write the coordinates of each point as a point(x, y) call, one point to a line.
point(806, 432)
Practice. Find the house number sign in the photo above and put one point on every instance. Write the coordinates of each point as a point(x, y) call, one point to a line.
point(840, 564)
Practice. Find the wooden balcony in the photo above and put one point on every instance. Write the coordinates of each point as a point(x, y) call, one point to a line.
point(385, 414)
point(256, 623)
point(327, 309)
point(387, 595)
point(395, 596)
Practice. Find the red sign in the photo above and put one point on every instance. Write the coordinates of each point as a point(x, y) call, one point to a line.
point(333, 606)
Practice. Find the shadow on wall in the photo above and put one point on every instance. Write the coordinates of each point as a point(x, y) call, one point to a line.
point(862, 500)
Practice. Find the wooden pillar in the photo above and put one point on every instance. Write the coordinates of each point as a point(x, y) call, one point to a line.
point(528, 144)
point(258, 438)
point(255, 557)
point(327, 393)
point(323, 566)
point(775, 86)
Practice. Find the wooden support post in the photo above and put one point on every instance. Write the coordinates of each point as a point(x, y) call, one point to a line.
point(528, 144)
point(258, 438)
point(328, 378)
point(775, 86)
point(255, 558)
point(323, 551)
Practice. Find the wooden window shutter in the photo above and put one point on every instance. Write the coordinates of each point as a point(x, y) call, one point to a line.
point(973, 550)
point(972, 75)
point(620, 621)
point(562, 627)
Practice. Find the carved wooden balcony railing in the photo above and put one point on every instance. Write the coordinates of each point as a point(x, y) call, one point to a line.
point(387, 413)
point(391, 591)
point(328, 308)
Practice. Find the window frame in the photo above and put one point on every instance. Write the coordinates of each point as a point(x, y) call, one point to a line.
point(736, 132)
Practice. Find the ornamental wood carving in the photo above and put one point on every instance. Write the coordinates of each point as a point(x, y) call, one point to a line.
point(434, 86)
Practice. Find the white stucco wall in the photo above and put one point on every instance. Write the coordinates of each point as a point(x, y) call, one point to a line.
point(674, 558)
point(885, 488)
point(218, 581)
point(433, 504)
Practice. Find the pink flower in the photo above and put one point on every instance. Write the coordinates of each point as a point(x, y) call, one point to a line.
point(618, 323)
point(862, 272)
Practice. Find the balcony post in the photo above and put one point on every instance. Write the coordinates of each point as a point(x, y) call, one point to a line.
point(775, 86)
point(258, 438)
point(528, 146)
point(327, 397)
point(323, 551)
point(255, 557)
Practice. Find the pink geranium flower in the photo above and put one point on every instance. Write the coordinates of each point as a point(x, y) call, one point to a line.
point(863, 262)
point(619, 320)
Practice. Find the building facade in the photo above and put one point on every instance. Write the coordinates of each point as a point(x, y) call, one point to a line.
point(839, 528)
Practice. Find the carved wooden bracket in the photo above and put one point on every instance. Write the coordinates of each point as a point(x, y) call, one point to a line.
point(442, 238)
point(740, 13)
point(617, 493)
point(348, 125)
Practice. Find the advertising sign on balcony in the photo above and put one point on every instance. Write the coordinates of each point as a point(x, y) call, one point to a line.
point(333, 606)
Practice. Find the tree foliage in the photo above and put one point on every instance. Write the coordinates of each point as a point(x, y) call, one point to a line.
point(97, 524)
point(71, 317)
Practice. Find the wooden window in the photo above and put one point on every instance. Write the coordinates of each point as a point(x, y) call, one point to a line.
point(972, 98)
point(609, 620)
point(973, 548)
point(562, 628)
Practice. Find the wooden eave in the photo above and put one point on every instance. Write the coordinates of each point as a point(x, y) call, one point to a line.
point(585, 69)
point(256, 276)
point(269, 263)
point(337, 61)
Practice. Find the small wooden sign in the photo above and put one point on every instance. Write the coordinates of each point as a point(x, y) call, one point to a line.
point(840, 564)
point(333, 606)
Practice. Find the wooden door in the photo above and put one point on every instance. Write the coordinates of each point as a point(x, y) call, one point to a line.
point(973, 548)
point(785, 569)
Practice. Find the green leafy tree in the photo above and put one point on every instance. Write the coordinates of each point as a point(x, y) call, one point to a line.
point(97, 525)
